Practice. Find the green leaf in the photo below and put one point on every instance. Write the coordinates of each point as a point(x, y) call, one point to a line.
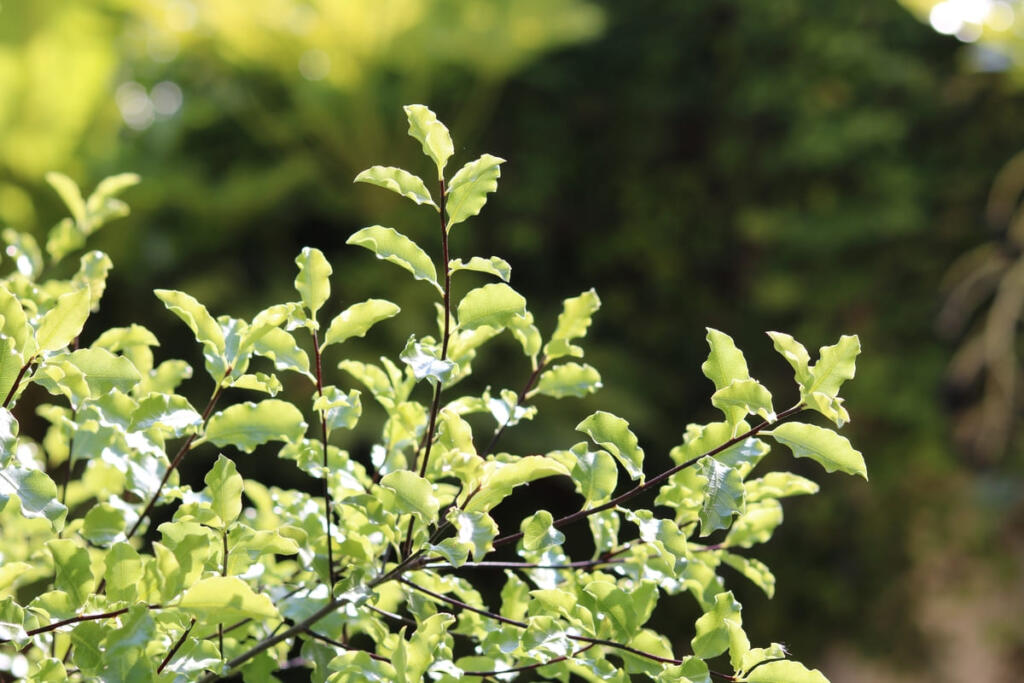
point(195, 315)
point(92, 275)
point(73, 570)
point(494, 305)
point(573, 322)
point(124, 571)
point(594, 473)
point(105, 371)
point(613, 434)
point(424, 361)
point(410, 494)
point(62, 323)
point(824, 446)
point(692, 670)
point(468, 189)
point(15, 324)
point(313, 281)
point(224, 486)
point(280, 347)
point(35, 491)
point(538, 533)
point(69, 194)
point(723, 495)
point(227, 598)
point(496, 266)
point(8, 434)
point(171, 414)
point(341, 411)
point(836, 364)
point(778, 485)
point(104, 524)
point(725, 362)
point(248, 425)
point(432, 134)
point(474, 535)
point(357, 319)
point(23, 248)
point(753, 569)
point(785, 672)
point(63, 238)
point(795, 354)
point(500, 478)
point(392, 246)
point(568, 379)
point(712, 637)
point(11, 363)
point(743, 397)
point(398, 181)
point(756, 525)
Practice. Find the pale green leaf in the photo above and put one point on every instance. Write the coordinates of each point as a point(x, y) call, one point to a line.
point(723, 495)
point(527, 334)
point(753, 569)
point(431, 133)
point(795, 354)
point(121, 338)
point(62, 323)
point(72, 568)
point(12, 619)
point(496, 266)
point(124, 570)
point(494, 305)
point(64, 237)
point(392, 246)
point(228, 598)
point(692, 670)
point(725, 362)
point(824, 446)
point(573, 322)
point(112, 186)
point(756, 525)
point(195, 315)
point(743, 397)
point(259, 381)
point(568, 379)
point(92, 275)
point(280, 346)
point(341, 411)
point(11, 363)
point(500, 478)
point(15, 322)
point(35, 491)
point(594, 473)
point(712, 638)
point(398, 181)
point(778, 485)
point(424, 361)
point(23, 248)
point(784, 672)
point(411, 494)
point(538, 533)
point(173, 415)
point(69, 194)
point(469, 187)
point(313, 281)
point(224, 486)
point(104, 524)
point(105, 371)
point(357, 319)
point(248, 425)
point(8, 434)
point(836, 364)
point(613, 434)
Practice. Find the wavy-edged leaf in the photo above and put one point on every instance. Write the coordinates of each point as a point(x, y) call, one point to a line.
point(469, 187)
point(124, 571)
point(224, 486)
point(725, 362)
point(69, 194)
point(340, 410)
point(474, 536)
point(824, 446)
point(538, 533)
point(227, 598)
point(568, 379)
point(494, 305)
point(743, 397)
point(712, 638)
point(247, 425)
point(23, 248)
point(755, 570)
point(795, 354)
point(573, 322)
point(432, 134)
point(594, 473)
point(778, 485)
point(392, 246)
point(495, 265)
point(15, 323)
point(723, 495)
point(8, 434)
point(613, 434)
point(313, 282)
point(756, 525)
point(105, 371)
point(500, 478)
point(173, 415)
point(357, 319)
point(410, 494)
point(35, 491)
point(62, 323)
point(195, 315)
point(104, 524)
point(835, 365)
point(424, 361)
point(784, 672)
point(280, 346)
point(73, 572)
point(399, 181)
point(11, 363)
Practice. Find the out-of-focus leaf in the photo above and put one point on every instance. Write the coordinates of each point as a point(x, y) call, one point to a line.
point(62, 323)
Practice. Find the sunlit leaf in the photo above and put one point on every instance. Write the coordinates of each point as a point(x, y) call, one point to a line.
point(69, 194)
point(795, 354)
point(785, 672)
point(170, 413)
point(494, 305)
point(569, 379)
point(105, 371)
point(723, 495)
point(73, 570)
point(62, 323)
point(538, 533)
point(35, 491)
point(432, 134)
point(745, 396)
point(425, 362)
point(469, 187)
point(392, 246)
point(313, 281)
point(357, 319)
point(195, 315)
point(248, 425)
point(410, 494)
point(227, 598)
point(224, 485)
point(573, 322)
point(712, 637)
point(496, 266)
point(499, 479)
point(398, 181)
point(756, 524)
point(824, 446)
point(613, 434)
point(753, 569)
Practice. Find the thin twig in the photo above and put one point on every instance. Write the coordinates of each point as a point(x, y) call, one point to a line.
point(541, 364)
point(177, 646)
point(327, 486)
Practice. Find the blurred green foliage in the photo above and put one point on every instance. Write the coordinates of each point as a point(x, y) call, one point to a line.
point(822, 163)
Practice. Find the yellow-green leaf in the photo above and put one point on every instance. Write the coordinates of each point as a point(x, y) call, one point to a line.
point(313, 281)
point(494, 305)
point(227, 598)
point(824, 446)
point(62, 323)
point(613, 434)
point(398, 181)
point(410, 494)
point(468, 189)
point(248, 425)
point(392, 246)
point(432, 134)
point(357, 319)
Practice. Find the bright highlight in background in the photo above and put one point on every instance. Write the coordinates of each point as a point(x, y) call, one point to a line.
point(966, 19)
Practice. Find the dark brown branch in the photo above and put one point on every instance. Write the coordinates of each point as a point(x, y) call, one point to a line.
point(327, 485)
point(176, 647)
point(541, 364)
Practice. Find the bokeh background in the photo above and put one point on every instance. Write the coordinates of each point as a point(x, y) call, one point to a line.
point(814, 167)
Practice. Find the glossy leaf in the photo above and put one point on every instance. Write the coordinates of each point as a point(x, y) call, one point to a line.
point(824, 446)
point(173, 415)
point(712, 638)
point(104, 524)
point(280, 346)
point(784, 672)
point(357, 319)
point(23, 248)
point(753, 569)
point(499, 479)
point(756, 525)
point(613, 434)
point(35, 491)
point(69, 194)
point(573, 322)
point(392, 246)
point(105, 371)
point(195, 315)
point(568, 379)
point(494, 305)
point(595, 474)
point(538, 533)
point(744, 396)
point(795, 354)
point(227, 598)
point(469, 187)
point(779, 485)
point(411, 494)
point(398, 181)
point(73, 570)
point(224, 486)
point(725, 362)
point(424, 361)
point(62, 323)
point(341, 411)
point(248, 425)
point(836, 364)
point(124, 570)
point(432, 134)
point(494, 265)
point(723, 495)
point(313, 281)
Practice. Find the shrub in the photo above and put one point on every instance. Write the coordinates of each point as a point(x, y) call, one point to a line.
point(371, 580)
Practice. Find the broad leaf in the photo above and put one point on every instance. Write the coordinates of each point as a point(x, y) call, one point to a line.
point(35, 491)
point(398, 181)
point(836, 364)
point(105, 371)
point(743, 397)
point(432, 134)
point(755, 570)
point(795, 354)
point(195, 315)
point(392, 246)
point(538, 533)
point(227, 598)
point(725, 362)
point(224, 486)
point(313, 281)
point(494, 305)
point(357, 319)
point(496, 266)
point(712, 637)
point(173, 415)
point(70, 194)
point(723, 495)
point(340, 410)
point(573, 322)
point(410, 494)
point(468, 189)
point(423, 359)
point(499, 479)
point(72, 568)
point(824, 446)
point(62, 323)
point(756, 525)
point(785, 672)
point(613, 434)
point(248, 425)
point(568, 379)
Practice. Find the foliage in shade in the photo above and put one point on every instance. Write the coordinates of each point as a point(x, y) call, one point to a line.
point(245, 569)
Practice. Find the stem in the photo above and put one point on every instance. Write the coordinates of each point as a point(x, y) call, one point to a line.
point(519, 401)
point(180, 455)
point(528, 667)
point(176, 647)
point(337, 643)
point(17, 381)
point(327, 487)
point(582, 564)
point(654, 481)
point(74, 620)
point(522, 624)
